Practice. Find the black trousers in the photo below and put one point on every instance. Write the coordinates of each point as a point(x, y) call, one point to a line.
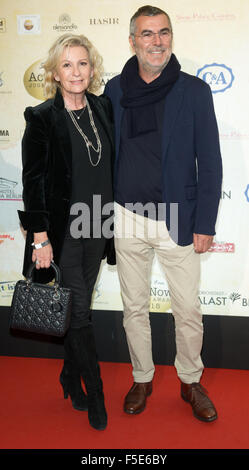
point(80, 262)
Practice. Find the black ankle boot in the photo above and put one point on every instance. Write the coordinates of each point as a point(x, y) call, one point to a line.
point(83, 346)
point(70, 380)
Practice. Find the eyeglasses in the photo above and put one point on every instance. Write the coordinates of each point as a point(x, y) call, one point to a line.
point(148, 36)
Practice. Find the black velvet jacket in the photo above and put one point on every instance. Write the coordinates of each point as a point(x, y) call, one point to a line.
point(47, 174)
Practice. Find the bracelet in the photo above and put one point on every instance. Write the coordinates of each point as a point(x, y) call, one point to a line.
point(40, 245)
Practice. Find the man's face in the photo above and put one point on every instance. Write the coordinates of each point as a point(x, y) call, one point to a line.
point(153, 51)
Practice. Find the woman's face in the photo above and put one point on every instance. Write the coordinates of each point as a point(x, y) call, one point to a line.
point(74, 70)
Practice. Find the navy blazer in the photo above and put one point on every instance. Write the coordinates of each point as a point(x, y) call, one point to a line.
point(191, 159)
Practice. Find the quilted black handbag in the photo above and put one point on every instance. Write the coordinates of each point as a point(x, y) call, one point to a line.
point(41, 308)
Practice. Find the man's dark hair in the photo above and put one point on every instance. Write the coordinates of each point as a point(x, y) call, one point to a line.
point(147, 10)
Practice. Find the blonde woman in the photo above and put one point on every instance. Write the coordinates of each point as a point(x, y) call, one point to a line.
point(67, 153)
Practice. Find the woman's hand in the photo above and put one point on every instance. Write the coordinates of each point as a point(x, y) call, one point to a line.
point(42, 256)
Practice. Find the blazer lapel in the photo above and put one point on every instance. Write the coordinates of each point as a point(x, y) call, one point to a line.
point(62, 130)
point(172, 107)
point(118, 123)
point(115, 95)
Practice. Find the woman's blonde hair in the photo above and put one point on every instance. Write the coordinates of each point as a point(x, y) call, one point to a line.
point(50, 84)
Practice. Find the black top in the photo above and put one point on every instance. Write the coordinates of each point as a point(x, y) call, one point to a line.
point(139, 175)
point(91, 185)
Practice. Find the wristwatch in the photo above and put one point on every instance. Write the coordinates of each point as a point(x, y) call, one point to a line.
point(40, 245)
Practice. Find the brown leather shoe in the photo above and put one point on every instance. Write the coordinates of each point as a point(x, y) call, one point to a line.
point(135, 400)
point(202, 406)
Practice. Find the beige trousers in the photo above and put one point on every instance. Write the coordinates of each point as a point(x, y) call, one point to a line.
point(137, 240)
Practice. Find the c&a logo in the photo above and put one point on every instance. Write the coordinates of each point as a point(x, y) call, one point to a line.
point(218, 76)
point(247, 193)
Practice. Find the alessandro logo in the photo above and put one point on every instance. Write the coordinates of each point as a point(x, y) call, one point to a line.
point(65, 24)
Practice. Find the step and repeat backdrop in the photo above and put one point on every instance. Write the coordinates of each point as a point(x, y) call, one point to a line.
point(211, 42)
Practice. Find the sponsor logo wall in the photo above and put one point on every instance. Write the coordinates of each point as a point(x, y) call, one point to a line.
point(210, 41)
